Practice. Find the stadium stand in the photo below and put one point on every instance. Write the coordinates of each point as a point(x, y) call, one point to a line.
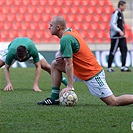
point(31, 18)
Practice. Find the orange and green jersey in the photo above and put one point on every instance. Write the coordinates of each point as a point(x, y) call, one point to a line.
point(72, 45)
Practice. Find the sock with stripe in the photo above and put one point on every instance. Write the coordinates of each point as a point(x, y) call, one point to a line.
point(64, 81)
point(55, 93)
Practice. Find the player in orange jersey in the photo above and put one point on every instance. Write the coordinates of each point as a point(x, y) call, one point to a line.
point(76, 60)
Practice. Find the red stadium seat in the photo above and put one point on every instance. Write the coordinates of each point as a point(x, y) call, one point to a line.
point(28, 17)
point(7, 25)
point(39, 9)
point(14, 8)
point(13, 34)
point(19, 17)
point(37, 17)
point(31, 8)
point(11, 17)
point(9, 2)
point(26, 2)
point(16, 25)
point(24, 25)
point(21, 33)
point(30, 33)
point(3, 17)
point(33, 25)
point(23, 9)
point(5, 8)
point(18, 2)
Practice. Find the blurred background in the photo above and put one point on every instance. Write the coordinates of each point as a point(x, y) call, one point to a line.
point(31, 18)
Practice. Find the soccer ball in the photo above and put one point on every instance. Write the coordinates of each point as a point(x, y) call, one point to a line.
point(68, 98)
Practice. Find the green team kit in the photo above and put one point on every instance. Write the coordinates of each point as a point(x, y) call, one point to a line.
point(30, 46)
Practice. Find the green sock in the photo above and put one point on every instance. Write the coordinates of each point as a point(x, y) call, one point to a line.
point(64, 81)
point(55, 93)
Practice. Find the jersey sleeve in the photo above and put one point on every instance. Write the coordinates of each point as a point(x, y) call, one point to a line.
point(34, 53)
point(66, 47)
point(10, 56)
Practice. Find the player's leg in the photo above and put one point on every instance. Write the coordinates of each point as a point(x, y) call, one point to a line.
point(123, 50)
point(118, 101)
point(113, 49)
point(3, 57)
point(47, 67)
point(56, 74)
point(2, 63)
point(99, 87)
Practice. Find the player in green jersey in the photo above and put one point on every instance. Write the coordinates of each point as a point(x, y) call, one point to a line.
point(24, 50)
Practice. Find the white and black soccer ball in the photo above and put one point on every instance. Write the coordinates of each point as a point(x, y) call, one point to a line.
point(68, 98)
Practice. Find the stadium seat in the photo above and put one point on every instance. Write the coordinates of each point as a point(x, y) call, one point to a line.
point(16, 25)
point(21, 33)
point(39, 9)
point(7, 25)
point(37, 17)
point(19, 17)
point(33, 25)
point(30, 33)
point(31, 9)
point(5, 8)
point(26, 2)
point(9, 2)
point(11, 17)
point(45, 17)
point(24, 25)
point(18, 2)
point(3, 17)
point(23, 9)
point(14, 8)
point(13, 34)
point(31, 18)
point(28, 17)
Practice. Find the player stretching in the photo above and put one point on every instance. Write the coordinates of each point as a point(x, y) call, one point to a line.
point(76, 60)
point(24, 50)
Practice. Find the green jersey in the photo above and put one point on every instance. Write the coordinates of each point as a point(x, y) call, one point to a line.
point(30, 46)
point(68, 45)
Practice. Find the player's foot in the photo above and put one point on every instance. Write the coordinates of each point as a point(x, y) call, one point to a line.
point(110, 69)
point(125, 69)
point(49, 101)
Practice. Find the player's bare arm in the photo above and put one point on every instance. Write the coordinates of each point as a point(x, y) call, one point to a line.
point(37, 76)
point(9, 86)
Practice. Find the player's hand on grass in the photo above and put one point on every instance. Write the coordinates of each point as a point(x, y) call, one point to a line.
point(9, 87)
point(36, 88)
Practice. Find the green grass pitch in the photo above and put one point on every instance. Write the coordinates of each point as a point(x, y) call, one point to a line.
point(19, 112)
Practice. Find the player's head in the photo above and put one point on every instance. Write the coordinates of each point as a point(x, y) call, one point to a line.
point(21, 52)
point(122, 5)
point(57, 25)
